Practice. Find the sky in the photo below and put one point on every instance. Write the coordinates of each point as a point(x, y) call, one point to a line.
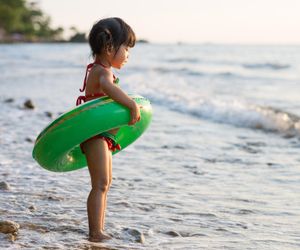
point(188, 21)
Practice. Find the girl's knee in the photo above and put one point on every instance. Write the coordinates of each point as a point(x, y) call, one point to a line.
point(102, 185)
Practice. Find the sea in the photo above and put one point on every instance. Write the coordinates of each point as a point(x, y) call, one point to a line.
point(218, 168)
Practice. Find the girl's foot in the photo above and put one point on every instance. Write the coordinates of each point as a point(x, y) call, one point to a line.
point(99, 237)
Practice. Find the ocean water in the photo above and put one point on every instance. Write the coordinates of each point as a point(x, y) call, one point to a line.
point(217, 169)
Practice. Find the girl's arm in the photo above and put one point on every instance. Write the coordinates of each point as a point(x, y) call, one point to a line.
point(118, 95)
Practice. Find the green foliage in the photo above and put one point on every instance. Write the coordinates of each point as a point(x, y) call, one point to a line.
point(78, 38)
point(26, 19)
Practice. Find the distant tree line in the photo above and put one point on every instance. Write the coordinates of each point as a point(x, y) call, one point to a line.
point(25, 21)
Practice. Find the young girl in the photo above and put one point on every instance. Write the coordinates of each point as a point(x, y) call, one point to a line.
point(110, 40)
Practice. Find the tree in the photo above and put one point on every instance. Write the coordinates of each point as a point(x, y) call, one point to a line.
point(78, 37)
point(10, 13)
point(28, 20)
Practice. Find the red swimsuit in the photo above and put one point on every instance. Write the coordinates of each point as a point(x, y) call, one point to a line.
point(108, 137)
point(84, 98)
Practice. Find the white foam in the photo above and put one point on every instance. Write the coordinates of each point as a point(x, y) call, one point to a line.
point(235, 111)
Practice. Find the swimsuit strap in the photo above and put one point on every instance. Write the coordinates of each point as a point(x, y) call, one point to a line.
point(83, 98)
point(80, 99)
point(88, 69)
point(101, 64)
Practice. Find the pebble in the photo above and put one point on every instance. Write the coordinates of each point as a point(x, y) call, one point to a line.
point(32, 208)
point(137, 235)
point(4, 185)
point(28, 139)
point(28, 104)
point(173, 233)
point(49, 114)
point(9, 100)
point(53, 198)
point(9, 227)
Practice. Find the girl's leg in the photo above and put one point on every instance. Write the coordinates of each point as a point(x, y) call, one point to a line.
point(97, 155)
point(109, 184)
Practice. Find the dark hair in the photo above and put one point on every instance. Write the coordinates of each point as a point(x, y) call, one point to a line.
point(109, 34)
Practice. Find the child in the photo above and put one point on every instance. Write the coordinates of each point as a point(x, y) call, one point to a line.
point(110, 40)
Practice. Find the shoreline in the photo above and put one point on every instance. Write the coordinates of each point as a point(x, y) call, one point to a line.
point(141, 41)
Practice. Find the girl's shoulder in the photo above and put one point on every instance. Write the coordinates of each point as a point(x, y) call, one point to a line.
point(101, 70)
point(102, 73)
point(97, 71)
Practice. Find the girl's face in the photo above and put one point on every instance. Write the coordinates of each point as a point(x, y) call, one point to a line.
point(120, 57)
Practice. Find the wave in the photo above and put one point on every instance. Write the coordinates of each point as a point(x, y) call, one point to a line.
point(254, 66)
point(272, 66)
point(185, 71)
point(181, 60)
point(239, 114)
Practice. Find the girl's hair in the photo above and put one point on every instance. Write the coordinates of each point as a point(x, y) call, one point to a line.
point(109, 34)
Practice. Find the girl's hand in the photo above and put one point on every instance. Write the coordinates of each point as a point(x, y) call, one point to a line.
point(134, 113)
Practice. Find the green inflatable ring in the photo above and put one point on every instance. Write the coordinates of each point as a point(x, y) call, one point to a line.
point(57, 146)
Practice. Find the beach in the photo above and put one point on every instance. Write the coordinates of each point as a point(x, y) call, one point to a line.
point(218, 167)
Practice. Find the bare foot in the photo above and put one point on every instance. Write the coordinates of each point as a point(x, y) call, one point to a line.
point(99, 237)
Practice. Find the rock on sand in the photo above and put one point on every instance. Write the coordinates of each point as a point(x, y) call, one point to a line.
point(9, 227)
point(28, 104)
point(4, 185)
